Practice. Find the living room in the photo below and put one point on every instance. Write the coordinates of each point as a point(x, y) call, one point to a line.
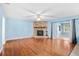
point(39, 29)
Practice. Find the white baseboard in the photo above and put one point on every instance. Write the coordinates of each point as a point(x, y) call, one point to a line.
point(2, 46)
point(1, 49)
point(17, 38)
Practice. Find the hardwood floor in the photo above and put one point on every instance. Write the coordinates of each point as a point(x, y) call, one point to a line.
point(37, 47)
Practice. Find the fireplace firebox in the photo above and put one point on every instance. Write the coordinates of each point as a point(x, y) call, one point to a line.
point(40, 33)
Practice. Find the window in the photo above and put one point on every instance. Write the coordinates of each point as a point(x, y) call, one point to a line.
point(66, 27)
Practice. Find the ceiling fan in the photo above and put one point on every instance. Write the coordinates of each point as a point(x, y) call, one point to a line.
point(40, 15)
point(37, 16)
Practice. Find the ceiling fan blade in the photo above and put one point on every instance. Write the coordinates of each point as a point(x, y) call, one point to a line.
point(30, 11)
point(28, 16)
point(50, 16)
point(44, 11)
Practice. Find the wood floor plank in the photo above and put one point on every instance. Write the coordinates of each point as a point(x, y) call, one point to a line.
point(37, 47)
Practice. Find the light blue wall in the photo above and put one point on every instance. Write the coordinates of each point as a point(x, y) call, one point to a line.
point(49, 28)
point(18, 28)
point(1, 14)
point(0, 32)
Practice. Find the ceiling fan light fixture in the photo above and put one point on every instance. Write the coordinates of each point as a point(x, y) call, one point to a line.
point(38, 19)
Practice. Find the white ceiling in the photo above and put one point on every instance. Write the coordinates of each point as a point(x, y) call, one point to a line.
point(57, 10)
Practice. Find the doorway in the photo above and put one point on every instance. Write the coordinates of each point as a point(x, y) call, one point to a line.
point(62, 30)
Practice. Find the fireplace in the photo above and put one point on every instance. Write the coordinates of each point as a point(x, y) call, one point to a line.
point(40, 33)
point(40, 29)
